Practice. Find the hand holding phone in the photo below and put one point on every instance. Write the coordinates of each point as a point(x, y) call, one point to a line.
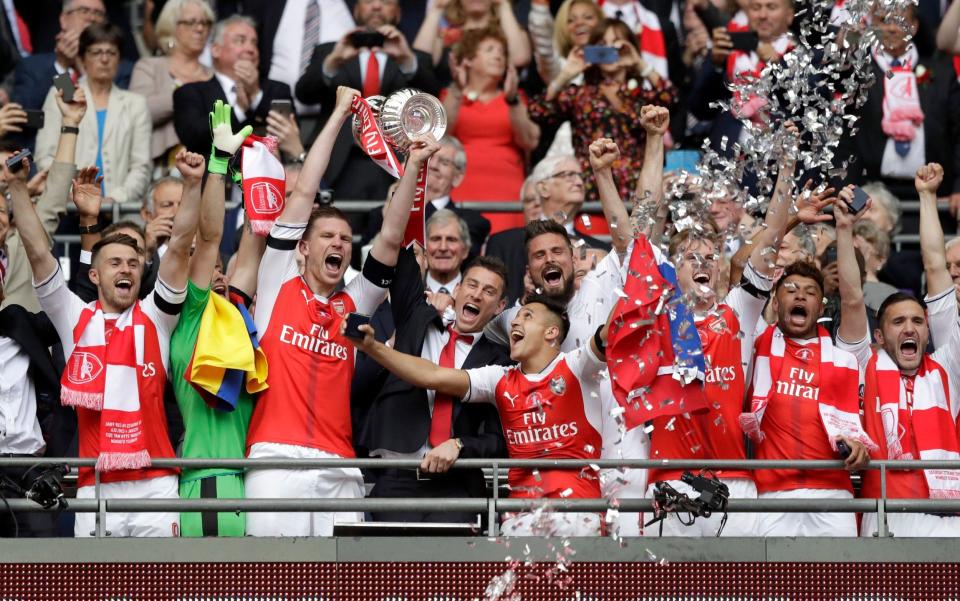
point(64, 83)
point(600, 55)
point(367, 39)
point(16, 162)
point(747, 41)
point(282, 106)
point(354, 321)
point(843, 449)
point(859, 202)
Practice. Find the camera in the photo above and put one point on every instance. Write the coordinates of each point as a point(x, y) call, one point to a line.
point(714, 494)
point(44, 488)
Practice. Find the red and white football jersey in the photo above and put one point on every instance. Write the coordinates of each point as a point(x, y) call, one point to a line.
point(310, 364)
point(553, 414)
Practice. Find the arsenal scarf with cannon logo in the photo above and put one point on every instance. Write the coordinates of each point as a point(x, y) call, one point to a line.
point(264, 183)
point(375, 145)
point(896, 410)
point(837, 398)
point(103, 374)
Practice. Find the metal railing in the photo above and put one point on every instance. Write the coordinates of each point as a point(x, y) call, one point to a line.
point(494, 505)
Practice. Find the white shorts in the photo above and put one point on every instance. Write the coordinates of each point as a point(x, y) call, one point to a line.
point(738, 523)
point(623, 483)
point(807, 524)
point(545, 523)
point(327, 483)
point(131, 524)
point(907, 525)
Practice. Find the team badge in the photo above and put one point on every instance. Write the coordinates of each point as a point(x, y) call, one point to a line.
point(338, 306)
point(804, 355)
point(83, 367)
point(534, 400)
point(558, 385)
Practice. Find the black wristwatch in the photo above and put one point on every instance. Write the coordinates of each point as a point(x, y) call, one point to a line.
point(69, 129)
point(96, 228)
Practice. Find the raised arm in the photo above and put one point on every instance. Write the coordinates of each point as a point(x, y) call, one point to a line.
point(526, 133)
point(656, 122)
point(300, 203)
point(386, 246)
point(251, 249)
point(28, 224)
point(853, 309)
point(604, 152)
point(928, 179)
point(173, 265)
point(87, 198)
point(414, 370)
point(212, 212)
point(948, 34)
point(518, 44)
point(428, 37)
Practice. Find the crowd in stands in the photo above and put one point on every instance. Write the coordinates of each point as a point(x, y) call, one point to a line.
point(820, 323)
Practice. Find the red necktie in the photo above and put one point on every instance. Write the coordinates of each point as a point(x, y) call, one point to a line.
point(25, 44)
point(371, 80)
point(441, 425)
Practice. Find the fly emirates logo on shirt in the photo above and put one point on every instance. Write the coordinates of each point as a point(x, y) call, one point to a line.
point(538, 427)
point(317, 341)
point(800, 383)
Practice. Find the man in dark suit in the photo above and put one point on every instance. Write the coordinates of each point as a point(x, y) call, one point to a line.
point(34, 74)
point(935, 140)
point(236, 81)
point(445, 173)
point(405, 422)
point(381, 71)
point(558, 182)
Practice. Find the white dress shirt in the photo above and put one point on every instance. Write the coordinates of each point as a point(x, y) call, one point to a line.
point(230, 89)
point(335, 20)
point(433, 344)
point(433, 285)
point(19, 429)
point(441, 202)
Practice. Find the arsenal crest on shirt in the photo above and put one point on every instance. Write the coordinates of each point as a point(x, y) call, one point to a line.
point(558, 385)
point(338, 306)
point(804, 354)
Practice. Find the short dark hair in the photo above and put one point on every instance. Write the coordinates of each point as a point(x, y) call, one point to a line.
point(540, 227)
point(324, 212)
point(9, 146)
point(556, 307)
point(492, 264)
point(895, 298)
point(125, 224)
point(122, 239)
point(803, 269)
point(97, 33)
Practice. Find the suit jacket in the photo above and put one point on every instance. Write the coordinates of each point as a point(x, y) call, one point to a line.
point(193, 102)
point(151, 78)
point(315, 88)
point(35, 334)
point(940, 102)
point(477, 225)
point(127, 164)
point(399, 418)
point(34, 76)
point(509, 247)
point(18, 287)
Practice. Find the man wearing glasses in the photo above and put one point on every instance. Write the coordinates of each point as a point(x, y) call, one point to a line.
point(34, 74)
point(558, 184)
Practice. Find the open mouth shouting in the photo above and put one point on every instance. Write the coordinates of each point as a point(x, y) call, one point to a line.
point(797, 317)
point(702, 278)
point(124, 285)
point(552, 277)
point(332, 264)
point(516, 336)
point(909, 349)
point(469, 313)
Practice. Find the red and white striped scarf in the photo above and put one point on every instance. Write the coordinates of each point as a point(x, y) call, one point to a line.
point(747, 66)
point(104, 375)
point(839, 383)
point(887, 407)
